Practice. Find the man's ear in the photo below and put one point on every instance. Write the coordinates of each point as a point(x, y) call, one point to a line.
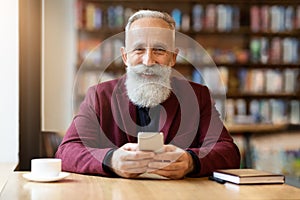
point(124, 55)
point(174, 56)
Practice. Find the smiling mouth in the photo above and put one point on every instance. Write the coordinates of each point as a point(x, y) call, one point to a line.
point(147, 75)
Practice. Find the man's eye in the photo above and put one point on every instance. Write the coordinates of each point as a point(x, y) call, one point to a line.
point(159, 50)
point(139, 50)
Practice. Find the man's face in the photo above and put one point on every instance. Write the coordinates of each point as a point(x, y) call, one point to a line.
point(149, 56)
point(149, 41)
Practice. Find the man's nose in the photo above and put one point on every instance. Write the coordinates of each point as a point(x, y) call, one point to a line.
point(148, 58)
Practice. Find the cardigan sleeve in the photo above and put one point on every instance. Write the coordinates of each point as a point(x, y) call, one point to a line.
point(216, 148)
point(79, 150)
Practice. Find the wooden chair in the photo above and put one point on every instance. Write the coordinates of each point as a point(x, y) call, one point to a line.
point(50, 142)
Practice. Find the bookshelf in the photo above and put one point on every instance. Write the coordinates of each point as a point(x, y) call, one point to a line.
point(255, 45)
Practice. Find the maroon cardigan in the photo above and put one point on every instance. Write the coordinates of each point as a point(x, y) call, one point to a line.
point(107, 119)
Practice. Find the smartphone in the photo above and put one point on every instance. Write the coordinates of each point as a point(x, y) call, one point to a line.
point(151, 141)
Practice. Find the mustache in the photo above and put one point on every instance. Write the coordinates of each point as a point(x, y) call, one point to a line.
point(155, 69)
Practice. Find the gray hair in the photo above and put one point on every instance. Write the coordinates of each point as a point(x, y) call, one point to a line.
point(150, 14)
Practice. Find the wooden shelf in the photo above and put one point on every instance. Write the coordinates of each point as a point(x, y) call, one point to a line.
point(264, 95)
point(294, 33)
point(255, 128)
point(272, 66)
point(233, 32)
point(258, 2)
point(273, 2)
point(259, 65)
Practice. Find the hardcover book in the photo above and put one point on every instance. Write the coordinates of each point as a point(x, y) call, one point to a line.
point(248, 176)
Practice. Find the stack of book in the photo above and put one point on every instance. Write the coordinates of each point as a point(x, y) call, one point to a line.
point(247, 176)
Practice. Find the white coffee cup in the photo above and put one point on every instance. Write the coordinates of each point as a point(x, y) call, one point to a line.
point(45, 167)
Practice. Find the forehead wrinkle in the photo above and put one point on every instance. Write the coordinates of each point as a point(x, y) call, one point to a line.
point(150, 44)
point(139, 44)
point(160, 44)
point(149, 37)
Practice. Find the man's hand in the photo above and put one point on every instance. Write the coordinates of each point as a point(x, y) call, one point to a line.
point(129, 162)
point(173, 163)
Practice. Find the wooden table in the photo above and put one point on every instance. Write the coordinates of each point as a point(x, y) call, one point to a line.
point(85, 187)
point(6, 170)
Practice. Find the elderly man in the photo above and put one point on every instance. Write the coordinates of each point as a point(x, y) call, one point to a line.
point(102, 139)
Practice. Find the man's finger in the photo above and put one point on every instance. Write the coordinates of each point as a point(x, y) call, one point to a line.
point(168, 156)
point(135, 155)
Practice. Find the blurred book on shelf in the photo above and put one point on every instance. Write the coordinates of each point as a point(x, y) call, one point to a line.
point(277, 157)
point(263, 111)
point(268, 81)
point(274, 18)
point(274, 50)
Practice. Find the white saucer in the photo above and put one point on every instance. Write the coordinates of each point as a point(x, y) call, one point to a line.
point(31, 177)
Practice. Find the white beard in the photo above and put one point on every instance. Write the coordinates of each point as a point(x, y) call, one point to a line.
point(148, 92)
